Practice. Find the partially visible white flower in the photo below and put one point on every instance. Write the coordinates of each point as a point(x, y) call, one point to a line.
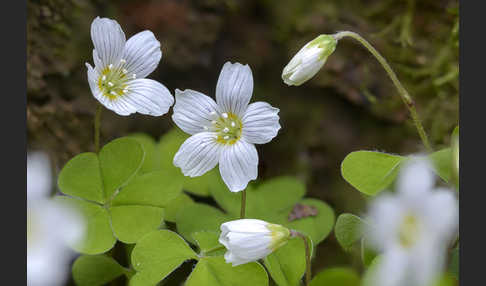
point(412, 228)
point(309, 60)
point(50, 228)
point(118, 78)
point(248, 240)
point(224, 132)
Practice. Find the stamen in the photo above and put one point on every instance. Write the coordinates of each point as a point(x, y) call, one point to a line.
point(212, 113)
point(134, 76)
point(226, 130)
point(214, 122)
point(225, 115)
point(110, 84)
point(103, 78)
point(124, 71)
point(113, 93)
point(110, 66)
point(233, 124)
point(123, 61)
point(226, 137)
point(125, 90)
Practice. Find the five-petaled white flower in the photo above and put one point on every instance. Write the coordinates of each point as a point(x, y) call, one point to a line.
point(248, 240)
point(118, 78)
point(413, 228)
point(308, 60)
point(50, 228)
point(224, 132)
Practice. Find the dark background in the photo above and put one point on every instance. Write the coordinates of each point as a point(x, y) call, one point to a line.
point(349, 105)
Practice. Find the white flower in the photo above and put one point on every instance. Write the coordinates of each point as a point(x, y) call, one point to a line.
point(118, 78)
point(309, 60)
point(248, 240)
point(50, 228)
point(225, 132)
point(413, 228)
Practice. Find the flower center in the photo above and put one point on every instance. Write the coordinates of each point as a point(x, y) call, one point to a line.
point(113, 80)
point(409, 231)
point(228, 128)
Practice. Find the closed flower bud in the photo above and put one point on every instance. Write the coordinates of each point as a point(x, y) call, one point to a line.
point(248, 240)
point(309, 60)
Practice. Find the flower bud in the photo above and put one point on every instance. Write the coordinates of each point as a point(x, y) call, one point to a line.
point(309, 60)
point(248, 240)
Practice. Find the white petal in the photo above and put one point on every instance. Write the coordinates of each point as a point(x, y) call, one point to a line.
point(386, 214)
point(234, 88)
point(108, 40)
point(149, 97)
point(198, 154)
point(235, 260)
point(415, 178)
point(441, 213)
point(97, 62)
point(392, 269)
point(260, 123)
point(238, 165)
point(426, 262)
point(192, 111)
point(246, 225)
point(142, 53)
point(38, 175)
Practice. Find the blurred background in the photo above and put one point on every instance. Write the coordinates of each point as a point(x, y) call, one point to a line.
point(350, 105)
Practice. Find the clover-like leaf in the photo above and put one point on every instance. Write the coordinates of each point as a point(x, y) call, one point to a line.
point(176, 205)
point(98, 236)
point(199, 217)
point(120, 160)
point(348, 230)
point(370, 172)
point(214, 271)
point(442, 161)
point(454, 262)
point(117, 202)
point(81, 178)
point(316, 227)
point(287, 264)
point(336, 276)
point(157, 254)
point(131, 222)
point(94, 270)
point(148, 145)
point(208, 242)
point(271, 196)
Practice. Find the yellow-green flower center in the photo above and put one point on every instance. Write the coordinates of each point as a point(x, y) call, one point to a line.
point(113, 80)
point(228, 128)
point(409, 231)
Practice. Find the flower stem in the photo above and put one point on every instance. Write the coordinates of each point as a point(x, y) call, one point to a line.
point(307, 255)
point(409, 103)
point(97, 124)
point(243, 204)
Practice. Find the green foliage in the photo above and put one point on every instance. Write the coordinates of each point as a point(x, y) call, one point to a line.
point(442, 161)
point(287, 264)
point(214, 271)
point(157, 254)
point(208, 242)
point(348, 230)
point(98, 236)
point(454, 263)
point(96, 270)
point(199, 217)
point(115, 201)
point(181, 201)
point(338, 276)
point(370, 172)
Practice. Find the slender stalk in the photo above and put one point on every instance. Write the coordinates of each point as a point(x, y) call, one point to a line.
point(97, 124)
point(243, 204)
point(401, 90)
point(307, 255)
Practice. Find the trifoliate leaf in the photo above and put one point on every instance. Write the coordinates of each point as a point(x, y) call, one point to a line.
point(442, 161)
point(370, 172)
point(157, 254)
point(348, 230)
point(148, 145)
point(176, 205)
point(208, 242)
point(287, 264)
point(336, 276)
point(214, 271)
point(96, 270)
point(131, 222)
